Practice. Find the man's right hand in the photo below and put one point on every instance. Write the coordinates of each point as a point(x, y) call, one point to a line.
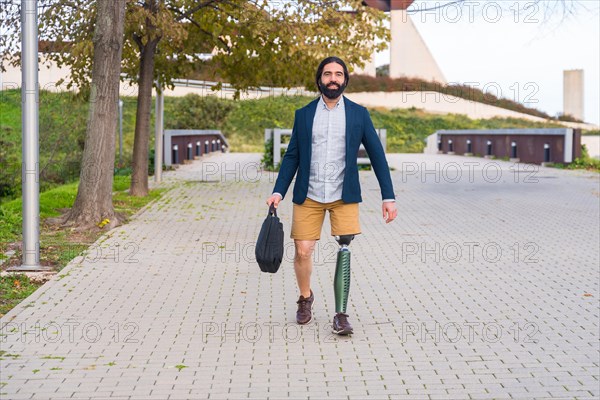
point(274, 199)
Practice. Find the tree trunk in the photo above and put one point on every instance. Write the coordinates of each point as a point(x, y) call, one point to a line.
point(139, 175)
point(94, 195)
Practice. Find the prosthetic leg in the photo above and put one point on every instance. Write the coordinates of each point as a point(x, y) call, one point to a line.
point(341, 286)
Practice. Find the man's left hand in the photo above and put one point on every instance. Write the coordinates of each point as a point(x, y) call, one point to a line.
point(389, 211)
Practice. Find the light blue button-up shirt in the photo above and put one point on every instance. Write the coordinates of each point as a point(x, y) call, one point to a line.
point(328, 160)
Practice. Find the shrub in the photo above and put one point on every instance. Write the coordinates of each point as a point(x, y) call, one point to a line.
point(196, 112)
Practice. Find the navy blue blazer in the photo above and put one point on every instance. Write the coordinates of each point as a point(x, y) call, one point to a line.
point(359, 129)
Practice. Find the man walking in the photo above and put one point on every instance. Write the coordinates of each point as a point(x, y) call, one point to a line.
point(323, 152)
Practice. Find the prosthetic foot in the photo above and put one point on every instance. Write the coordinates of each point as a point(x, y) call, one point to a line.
point(341, 286)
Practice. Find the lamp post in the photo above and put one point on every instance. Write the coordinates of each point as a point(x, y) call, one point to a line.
point(175, 157)
point(513, 150)
point(30, 138)
point(546, 152)
point(120, 133)
point(158, 134)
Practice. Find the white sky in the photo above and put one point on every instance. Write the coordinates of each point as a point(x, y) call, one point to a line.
point(487, 42)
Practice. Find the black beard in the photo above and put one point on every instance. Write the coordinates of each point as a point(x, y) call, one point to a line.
point(332, 92)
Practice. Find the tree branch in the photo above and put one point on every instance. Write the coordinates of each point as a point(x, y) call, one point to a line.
point(207, 33)
point(138, 40)
point(193, 10)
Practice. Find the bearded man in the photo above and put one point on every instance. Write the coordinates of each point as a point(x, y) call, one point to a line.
point(323, 152)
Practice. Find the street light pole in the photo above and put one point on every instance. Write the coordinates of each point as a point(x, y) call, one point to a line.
point(158, 134)
point(120, 133)
point(30, 138)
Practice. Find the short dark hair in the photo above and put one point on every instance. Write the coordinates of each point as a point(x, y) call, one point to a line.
point(330, 60)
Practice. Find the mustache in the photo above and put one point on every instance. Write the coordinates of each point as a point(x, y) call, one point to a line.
point(332, 89)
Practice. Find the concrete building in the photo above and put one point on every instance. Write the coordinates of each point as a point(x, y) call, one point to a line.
point(573, 93)
point(409, 55)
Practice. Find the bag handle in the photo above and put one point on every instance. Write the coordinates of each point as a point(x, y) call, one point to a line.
point(272, 210)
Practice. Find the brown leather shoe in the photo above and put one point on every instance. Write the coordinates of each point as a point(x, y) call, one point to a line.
point(304, 313)
point(341, 326)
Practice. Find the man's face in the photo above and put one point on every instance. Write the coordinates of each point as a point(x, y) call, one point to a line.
point(332, 81)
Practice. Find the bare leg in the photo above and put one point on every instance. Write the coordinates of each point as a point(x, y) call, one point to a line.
point(303, 264)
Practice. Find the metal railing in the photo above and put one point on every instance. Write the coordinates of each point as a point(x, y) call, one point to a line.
point(275, 134)
point(228, 89)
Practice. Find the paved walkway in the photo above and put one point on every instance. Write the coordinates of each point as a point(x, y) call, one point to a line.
point(486, 286)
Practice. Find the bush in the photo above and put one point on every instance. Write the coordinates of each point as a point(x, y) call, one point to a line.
point(567, 118)
point(196, 112)
point(267, 158)
point(585, 161)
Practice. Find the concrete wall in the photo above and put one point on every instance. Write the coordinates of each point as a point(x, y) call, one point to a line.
point(50, 74)
point(592, 143)
point(435, 102)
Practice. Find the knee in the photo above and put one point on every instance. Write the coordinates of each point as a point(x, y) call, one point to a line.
point(304, 252)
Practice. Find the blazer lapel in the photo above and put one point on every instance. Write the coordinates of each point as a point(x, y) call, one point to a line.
point(311, 109)
point(349, 119)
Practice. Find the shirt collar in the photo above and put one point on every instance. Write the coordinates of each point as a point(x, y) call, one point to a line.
point(339, 104)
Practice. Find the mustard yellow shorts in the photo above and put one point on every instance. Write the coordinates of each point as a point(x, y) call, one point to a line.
point(308, 217)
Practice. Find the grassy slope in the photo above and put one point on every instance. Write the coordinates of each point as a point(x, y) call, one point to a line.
point(63, 119)
point(406, 128)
